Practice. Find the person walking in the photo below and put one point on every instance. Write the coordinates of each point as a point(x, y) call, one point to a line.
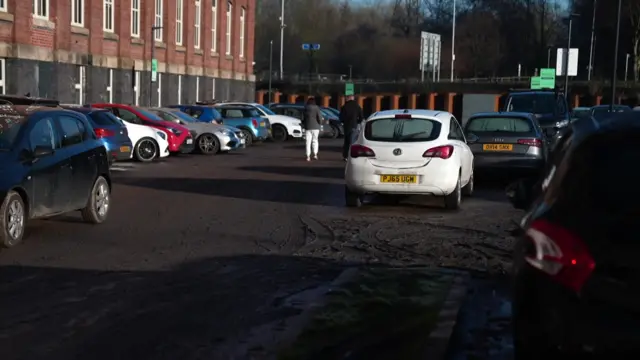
point(312, 123)
point(351, 117)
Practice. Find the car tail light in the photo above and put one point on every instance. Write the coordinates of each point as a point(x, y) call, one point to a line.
point(102, 133)
point(560, 254)
point(254, 122)
point(530, 142)
point(443, 152)
point(361, 151)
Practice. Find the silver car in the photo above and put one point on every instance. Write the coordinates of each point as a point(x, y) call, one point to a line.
point(210, 138)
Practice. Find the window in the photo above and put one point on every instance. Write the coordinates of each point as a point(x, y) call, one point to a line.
point(128, 116)
point(214, 26)
point(455, 133)
point(159, 35)
point(3, 74)
point(3, 5)
point(499, 124)
point(159, 90)
point(80, 85)
point(196, 25)
point(40, 8)
point(179, 17)
point(179, 89)
point(536, 103)
point(77, 12)
point(108, 14)
point(42, 134)
point(229, 27)
point(197, 88)
point(232, 113)
point(135, 18)
point(242, 26)
point(104, 118)
point(110, 86)
point(72, 130)
point(400, 130)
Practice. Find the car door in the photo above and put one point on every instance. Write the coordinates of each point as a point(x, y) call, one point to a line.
point(49, 175)
point(456, 137)
point(73, 134)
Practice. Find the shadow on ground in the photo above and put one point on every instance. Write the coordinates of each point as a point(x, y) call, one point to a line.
point(308, 171)
point(322, 148)
point(295, 192)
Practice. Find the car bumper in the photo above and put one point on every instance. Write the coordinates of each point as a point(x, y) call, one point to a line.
point(228, 143)
point(119, 151)
point(263, 134)
point(166, 152)
point(188, 146)
point(296, 131)
point(363, 177)
point(502, 162)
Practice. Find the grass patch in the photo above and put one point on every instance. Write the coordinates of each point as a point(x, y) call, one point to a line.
point(380, 314)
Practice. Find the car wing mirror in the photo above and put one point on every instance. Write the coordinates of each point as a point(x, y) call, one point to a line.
point(472, 138)
point(520, 194)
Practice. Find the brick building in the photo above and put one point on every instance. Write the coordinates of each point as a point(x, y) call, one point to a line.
point(81, 51)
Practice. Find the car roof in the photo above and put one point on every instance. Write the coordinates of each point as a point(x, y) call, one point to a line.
point(617, 106)
point(503, 113)
point(83, 109)
point(533, 92)
point(436, 114)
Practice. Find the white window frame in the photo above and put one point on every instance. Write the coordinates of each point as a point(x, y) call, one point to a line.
point(110, 86)
point(77, 15)
point(159, 90)
point(179, 89)
point(197, 88)
point(136, 89)
point(3, 5)
point(39, 12)
point(3, 73)
point(135, 18)
point(197, 24)
point(82, 72)
point(229, 27)
point(243, 24)
point(214, 26)
point(159, 17)
point(179, 22)
point(108, 8)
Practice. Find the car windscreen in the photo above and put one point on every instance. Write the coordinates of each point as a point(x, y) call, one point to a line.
point(103, 118)
point(182, 116)
point(164, 115)
point(328, 114)
point(149, 115)
point(10, 126)
point(402, 130)
point(265, 109)
point(532, 103)
point(499, 124)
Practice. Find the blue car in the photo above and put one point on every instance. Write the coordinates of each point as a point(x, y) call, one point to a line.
point(202, 113)
point(247, 119)
point(109, 130)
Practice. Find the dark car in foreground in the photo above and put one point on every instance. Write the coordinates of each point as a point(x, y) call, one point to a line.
point(51, 163)
point(603, 112)
point(576, 268)
point(550, 108)
point(507, 141)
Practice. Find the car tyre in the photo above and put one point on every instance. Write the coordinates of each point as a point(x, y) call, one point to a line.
point(248, 137)
point(280, 133)
point(453, 200)
point(335, 132)
point(352, 199)
point(208, 144)
point(467, 190)
point(13, 219)
point(146, 150)
point(99, 202)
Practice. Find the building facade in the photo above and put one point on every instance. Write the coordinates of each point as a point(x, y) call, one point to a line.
point(83, 51)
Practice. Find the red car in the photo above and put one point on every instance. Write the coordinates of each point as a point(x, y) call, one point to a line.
point(179, 138)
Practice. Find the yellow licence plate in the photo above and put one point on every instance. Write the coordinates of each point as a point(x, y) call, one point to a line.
point(125, 149)
point(262, 124)
point(399, 179)
point(497, 147)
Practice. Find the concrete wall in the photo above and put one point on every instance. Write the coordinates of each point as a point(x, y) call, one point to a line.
point(475, 103)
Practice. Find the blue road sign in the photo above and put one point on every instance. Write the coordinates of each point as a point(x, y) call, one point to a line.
point(306, 46)
point(315, 46)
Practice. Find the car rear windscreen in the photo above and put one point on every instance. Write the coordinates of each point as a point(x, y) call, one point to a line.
point(402, 130)
point(499, 124)
point(103, 118)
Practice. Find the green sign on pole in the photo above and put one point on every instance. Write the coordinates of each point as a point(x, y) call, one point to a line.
point(535, 83)
point(154, 70)
point(348, 89)
point(547, 78)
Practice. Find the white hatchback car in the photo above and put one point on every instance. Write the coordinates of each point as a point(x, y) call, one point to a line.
point(410, 152)
point(148, 143)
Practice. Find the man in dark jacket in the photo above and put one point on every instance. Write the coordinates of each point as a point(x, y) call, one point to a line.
point(312, 122)
point(351, 116)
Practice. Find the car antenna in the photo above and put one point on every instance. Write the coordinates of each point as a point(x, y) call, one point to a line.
point(406, 111)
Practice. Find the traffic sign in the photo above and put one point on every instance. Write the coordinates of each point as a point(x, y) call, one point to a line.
point(309, 47)
point(349, 89)
point(315, 46)
point(548, 78)
point(154, 70)
point(306, 47)
point(535, 83)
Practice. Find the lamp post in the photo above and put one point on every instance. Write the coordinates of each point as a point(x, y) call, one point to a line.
point(153, 59)
point(282, 26)
point(593, 36)
point(614, 74)
point(350, 72)
point(453, 41)
point(626, 68)
point(270, 67)
point(566, 57)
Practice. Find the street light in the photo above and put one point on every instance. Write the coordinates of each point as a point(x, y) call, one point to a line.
point(453, 40)
point(350, 72)
point(593, 36)
point(282, 26)
point(626, 68)
point(566, 57)
point(153, 58)
point(614, 74)
point(270, 67)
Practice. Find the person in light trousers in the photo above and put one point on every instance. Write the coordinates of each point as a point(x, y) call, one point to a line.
point(312, 123)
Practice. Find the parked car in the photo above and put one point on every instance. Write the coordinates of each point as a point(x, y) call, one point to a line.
point(575, 267)
point(210, 138)
point(52, 163)
point(110, 130)
point(333, 111)
point(189, 118)
point(203, 113)
point(179, 138)
point(247, 119)
point(550, 107)
point(507, 141)
point(282, 127)
point(27, 100)
point(410, 152)
point(332, 127)
point(148, 143)
point(602, 112)
point(580, 112)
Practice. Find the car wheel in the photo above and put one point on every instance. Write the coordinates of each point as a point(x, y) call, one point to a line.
point(13, 220)
point(248, 137)
point(280, 133)
point(99, 202)
point(146, 150)
point(335, 132)
point(352, 199)
point(467, 190)
point(453, 200)
point(208, 144)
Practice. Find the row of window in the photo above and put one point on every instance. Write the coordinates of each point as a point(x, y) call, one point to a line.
point(41, 10)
